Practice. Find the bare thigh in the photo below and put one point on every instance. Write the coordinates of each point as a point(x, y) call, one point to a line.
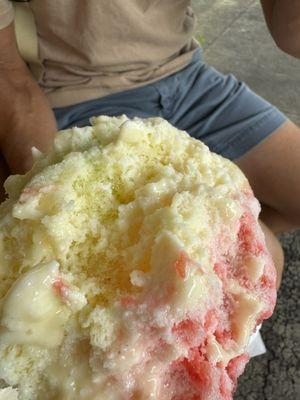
point(273, 170)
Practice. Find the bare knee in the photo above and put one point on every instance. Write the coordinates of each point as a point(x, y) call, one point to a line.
point(275, 250)
point(273, 170)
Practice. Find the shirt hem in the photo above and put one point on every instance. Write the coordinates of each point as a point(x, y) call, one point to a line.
point(64, 97)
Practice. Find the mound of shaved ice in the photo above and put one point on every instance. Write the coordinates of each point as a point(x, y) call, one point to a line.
point(132, 267)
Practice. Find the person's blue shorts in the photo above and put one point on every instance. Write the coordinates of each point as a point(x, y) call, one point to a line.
point(215, 108)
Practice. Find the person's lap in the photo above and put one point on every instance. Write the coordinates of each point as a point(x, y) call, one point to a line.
point(226, 115)
point(217, 109)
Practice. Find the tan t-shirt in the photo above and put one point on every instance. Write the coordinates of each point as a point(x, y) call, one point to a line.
point(91, 48)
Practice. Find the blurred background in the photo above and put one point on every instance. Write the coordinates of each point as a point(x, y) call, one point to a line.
point(235, 40)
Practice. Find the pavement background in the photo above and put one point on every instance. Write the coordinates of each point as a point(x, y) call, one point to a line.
point(235, 40)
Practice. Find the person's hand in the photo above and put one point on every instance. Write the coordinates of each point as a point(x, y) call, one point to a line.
point(275, 250)
point(26, 119)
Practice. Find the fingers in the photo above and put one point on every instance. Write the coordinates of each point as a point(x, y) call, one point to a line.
point(4, 172)
point(275, 250)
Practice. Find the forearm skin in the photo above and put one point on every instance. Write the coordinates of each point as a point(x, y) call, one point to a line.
point(26, 118)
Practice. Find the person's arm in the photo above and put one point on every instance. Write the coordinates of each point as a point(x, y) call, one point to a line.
point(283, 20)
point(26, 118)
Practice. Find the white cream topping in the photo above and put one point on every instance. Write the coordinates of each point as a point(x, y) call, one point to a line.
point(9, 394)
point(33, 312)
